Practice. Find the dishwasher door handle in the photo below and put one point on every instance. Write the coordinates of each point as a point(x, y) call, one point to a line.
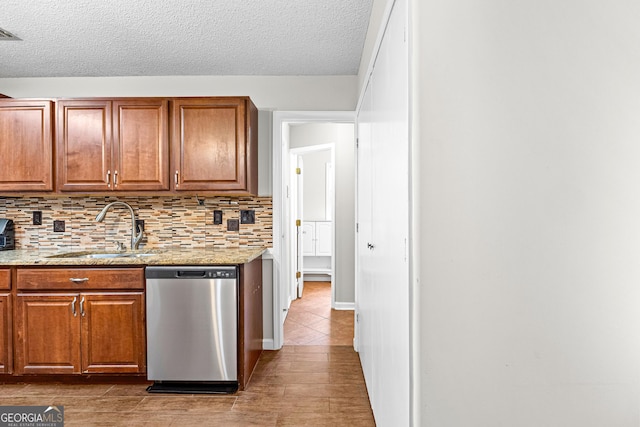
point(191, 273)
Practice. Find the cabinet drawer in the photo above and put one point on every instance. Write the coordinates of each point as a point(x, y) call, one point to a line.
point(80, 278)
point(5, 278)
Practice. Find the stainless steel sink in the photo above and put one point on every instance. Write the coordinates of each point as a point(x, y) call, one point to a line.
point(99, 255)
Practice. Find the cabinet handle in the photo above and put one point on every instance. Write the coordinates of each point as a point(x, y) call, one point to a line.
point(82, 307)
point(73, 307)
point(115, 179)
point(78, 280)
point(176, 179)
point(108, 179)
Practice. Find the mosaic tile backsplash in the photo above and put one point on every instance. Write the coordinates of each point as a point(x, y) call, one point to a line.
point(169, 222)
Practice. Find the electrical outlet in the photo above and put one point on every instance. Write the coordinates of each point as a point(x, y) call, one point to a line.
point(140, 224)
point(233, 225)
point(247, 216)
point(217, 217)
point(37, 217)
point(58, 226)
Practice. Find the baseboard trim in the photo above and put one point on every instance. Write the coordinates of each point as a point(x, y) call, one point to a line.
point(344, 305)
point(267, 344)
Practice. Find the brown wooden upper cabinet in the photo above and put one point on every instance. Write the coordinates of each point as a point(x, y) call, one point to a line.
point(112, 144)
point(26, 142)
point(214, 145)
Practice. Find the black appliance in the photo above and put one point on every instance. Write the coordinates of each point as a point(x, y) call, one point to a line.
point(7, 235)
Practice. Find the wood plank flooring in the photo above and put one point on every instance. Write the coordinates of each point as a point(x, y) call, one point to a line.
point(299, 385)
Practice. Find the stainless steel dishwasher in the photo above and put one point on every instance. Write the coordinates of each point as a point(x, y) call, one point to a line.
point(192, 329)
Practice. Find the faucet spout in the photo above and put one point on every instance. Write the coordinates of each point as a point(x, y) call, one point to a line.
point(136, 232)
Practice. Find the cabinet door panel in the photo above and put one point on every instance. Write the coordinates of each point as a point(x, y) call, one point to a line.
point(5, 278)
point(113, 336)
point(26, 145)
point(324, 246)
point(84, 145)
point(209, 144)
point(47, 334)
point(6, 349)
point(308, 238)
point(141, 144)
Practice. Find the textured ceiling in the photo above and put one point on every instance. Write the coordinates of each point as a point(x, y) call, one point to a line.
point(69, 38)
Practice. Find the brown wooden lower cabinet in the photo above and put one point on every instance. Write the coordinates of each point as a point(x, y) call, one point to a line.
point(250, 320)
point(67, 333)
point(6, 349)
point(79, 321)
point(6, 327)
point(113, 333)
point(47, 329)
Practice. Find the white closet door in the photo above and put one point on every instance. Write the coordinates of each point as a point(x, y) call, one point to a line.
point(383, 221)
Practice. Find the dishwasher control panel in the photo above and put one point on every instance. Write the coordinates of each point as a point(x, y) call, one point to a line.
point(222, 274)
point(192, 272)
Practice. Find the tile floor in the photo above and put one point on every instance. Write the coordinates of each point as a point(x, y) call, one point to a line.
point(299, 385)
point(311, 321)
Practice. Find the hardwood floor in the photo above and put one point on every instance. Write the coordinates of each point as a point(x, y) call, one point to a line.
point(299, 385)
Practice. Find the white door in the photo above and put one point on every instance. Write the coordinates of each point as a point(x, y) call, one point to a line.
point(299, 231)
point(383, 218)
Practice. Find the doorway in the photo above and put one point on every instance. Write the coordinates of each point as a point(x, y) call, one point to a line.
point(312, 204)
point(285, 289)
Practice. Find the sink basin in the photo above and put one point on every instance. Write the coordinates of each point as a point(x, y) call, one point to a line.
point(115, 255)
point(99, 255)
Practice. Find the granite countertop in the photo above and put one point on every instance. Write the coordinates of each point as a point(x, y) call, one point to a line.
point(174, 256)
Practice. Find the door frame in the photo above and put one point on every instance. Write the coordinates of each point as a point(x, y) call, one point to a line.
point(299, 151)
point(281, 195)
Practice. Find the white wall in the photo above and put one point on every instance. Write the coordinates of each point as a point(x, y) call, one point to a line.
point(342, 134)
point(294, 93)
point(528, 121)
point(315, 185)
point(374, 33)
point(265, 153)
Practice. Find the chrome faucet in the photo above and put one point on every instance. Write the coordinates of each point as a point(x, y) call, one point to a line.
point(136, 232)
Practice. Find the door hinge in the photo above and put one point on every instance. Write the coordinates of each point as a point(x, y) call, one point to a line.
point(298, 223)
point(298, 171)
point(357, 227)
point(298, 275)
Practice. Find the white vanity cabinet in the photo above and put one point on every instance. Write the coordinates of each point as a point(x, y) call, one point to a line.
point(317, 247)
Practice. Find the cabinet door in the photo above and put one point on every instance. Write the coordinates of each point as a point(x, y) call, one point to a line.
point(209, 144)
point(47, 334)
point(5, 278)
point(84, 145)
point(324, 246)
point(113, 333)
point(141, 144)
point(6, 349)
point(26, 143)
point(308, 238)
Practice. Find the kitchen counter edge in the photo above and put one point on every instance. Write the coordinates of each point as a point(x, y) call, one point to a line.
point(174, 256)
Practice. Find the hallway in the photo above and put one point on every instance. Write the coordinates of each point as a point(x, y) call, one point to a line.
point(311, 321)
